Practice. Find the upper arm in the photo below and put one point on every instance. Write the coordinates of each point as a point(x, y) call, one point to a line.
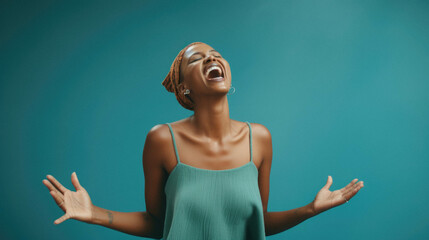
point(154, 171)
point(263, 137)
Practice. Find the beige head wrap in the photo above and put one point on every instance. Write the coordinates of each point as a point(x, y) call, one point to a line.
point(172, 80)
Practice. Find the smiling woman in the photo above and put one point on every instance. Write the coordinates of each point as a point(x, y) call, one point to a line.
point(206, 176)
point(190, 63)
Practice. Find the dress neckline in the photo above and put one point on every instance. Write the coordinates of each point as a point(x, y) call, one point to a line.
point(213, 170)
point(208, 171)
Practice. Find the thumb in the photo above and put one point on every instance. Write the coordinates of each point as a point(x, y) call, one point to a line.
point(75, 181)
point(62, 219)
point(328, 183)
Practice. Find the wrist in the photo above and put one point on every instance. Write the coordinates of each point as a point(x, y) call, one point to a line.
point(310, 209)
point(95, 215)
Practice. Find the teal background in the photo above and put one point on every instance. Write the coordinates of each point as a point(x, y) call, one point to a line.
point(341, 85)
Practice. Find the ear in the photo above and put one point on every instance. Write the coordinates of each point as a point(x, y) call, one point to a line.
point(181, 88)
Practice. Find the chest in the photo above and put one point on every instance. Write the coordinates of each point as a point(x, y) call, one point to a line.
point(214, 155)
point(215, 193)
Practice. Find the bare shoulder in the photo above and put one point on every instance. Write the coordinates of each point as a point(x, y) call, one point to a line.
point(159, 133)
point(260, 132)
point(157, 143)
point(262, 146)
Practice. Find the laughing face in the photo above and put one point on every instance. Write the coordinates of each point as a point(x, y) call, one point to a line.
point(204, 72)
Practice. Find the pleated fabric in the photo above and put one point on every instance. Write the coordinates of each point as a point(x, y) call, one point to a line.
point(205, 204)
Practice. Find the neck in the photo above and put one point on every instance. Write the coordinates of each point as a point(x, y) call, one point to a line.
point(211, 118)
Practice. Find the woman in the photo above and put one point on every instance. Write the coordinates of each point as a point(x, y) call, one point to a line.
point(206, 176)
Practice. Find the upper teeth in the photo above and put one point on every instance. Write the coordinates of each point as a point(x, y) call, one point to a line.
point(213, 68)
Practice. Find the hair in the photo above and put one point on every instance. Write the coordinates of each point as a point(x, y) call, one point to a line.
point(173, 79)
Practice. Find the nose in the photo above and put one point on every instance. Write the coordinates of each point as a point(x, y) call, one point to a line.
point(209, 58)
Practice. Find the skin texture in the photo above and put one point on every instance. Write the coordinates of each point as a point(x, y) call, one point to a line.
point(209, 139)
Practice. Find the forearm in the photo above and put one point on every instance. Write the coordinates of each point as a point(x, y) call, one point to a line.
point(277, 222)
point(140, 224)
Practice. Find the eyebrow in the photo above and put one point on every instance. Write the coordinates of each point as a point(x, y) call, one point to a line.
point(200, 52)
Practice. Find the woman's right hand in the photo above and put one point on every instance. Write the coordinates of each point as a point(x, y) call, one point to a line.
point(76, 205)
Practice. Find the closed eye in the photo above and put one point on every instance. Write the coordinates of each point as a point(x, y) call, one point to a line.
point(196, 59)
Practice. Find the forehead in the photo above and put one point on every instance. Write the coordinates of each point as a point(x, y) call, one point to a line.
point(201, 47)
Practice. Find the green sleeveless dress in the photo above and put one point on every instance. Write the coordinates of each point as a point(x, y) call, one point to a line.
point(205, 204)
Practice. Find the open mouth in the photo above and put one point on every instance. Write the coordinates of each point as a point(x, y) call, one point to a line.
point(214, 72)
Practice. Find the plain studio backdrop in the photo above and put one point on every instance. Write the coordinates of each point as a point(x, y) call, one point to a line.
point(341, 85)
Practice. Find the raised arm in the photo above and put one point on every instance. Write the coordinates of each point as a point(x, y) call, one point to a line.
point(78, 205)
point(276, 222)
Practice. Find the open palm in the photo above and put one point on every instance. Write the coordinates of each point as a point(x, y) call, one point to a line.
point(76, 205)
point(325, 199)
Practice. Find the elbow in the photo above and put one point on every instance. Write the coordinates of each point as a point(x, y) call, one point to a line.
point(158, 230)
point(153, 227)
point(268, 225)
point(157, 237)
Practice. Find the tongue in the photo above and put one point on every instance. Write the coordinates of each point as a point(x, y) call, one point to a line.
point(214, 74)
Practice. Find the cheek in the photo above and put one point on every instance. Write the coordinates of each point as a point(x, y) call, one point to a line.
point(193, 75)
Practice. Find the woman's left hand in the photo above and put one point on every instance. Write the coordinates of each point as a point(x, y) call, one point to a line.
point(326, 199)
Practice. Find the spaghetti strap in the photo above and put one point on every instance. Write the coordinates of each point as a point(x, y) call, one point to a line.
point(250, 141)
point(174, 142)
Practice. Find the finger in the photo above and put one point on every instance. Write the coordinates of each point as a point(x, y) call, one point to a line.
point(75, 181)
point(57, 184)
point(347, 192)
point(59, 200)
point(51, 187)
point(346, 188)
point(62, 219)
point(348, 195)
point(352, 188)
point(328, 183)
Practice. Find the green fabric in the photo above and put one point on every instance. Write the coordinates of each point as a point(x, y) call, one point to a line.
point(213, 204)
